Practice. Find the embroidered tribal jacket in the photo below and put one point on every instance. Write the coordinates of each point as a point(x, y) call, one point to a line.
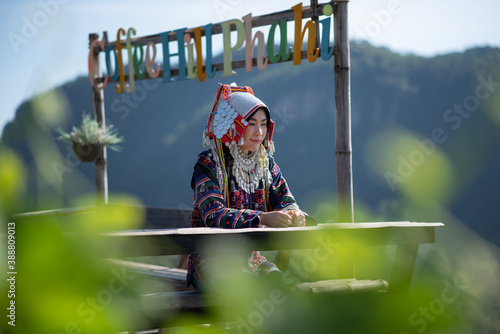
point(211, 209)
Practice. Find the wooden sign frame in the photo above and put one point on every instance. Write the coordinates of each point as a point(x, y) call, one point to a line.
point(343, 147)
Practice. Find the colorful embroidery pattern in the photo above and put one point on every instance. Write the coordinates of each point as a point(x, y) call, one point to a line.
point(211, 209)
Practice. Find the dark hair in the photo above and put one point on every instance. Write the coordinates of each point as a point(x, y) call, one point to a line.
point(266, 110)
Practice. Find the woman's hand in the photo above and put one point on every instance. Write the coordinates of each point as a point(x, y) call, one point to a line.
point(276, 219)
point(298, 217)
point(286, 218)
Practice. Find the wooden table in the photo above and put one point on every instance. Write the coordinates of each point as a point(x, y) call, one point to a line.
point(406, 235)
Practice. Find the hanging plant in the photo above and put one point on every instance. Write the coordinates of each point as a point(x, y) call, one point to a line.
point(90, 138)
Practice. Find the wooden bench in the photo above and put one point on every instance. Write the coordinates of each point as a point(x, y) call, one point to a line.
point(164, 232)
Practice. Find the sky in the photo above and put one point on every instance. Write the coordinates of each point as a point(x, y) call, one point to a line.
point(45, 43)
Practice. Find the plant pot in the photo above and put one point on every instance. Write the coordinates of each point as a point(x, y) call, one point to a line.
point(87, 152)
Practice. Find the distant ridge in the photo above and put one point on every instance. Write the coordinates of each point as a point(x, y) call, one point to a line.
point(412, 96)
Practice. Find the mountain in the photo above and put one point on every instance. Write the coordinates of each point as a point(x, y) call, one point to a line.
point(425, 131)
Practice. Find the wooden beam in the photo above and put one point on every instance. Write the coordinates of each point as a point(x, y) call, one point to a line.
point(154, 218)
point(185, 300)
point(257, 21)
point(343, 286)
point(172, 277)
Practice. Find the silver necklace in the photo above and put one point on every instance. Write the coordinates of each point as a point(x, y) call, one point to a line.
point(247, 168)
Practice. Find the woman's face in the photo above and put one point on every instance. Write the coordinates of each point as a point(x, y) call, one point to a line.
point(256, 132)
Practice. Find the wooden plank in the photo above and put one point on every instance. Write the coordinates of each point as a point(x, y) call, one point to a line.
point(35, 215)
point(319, 227)
point(189, 240)
point(154, 218)
point(343, 286)
point(186, 300)
point(174, 278)
point(152, 270)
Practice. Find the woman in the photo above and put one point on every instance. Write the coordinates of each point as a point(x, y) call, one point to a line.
point(236, 182)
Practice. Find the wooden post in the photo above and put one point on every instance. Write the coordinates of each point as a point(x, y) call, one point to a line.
point(101, 170)
point(343, 152)
point(315, 18)
point(402, 269)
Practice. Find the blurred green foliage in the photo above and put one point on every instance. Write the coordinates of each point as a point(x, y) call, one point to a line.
point(63, 286)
